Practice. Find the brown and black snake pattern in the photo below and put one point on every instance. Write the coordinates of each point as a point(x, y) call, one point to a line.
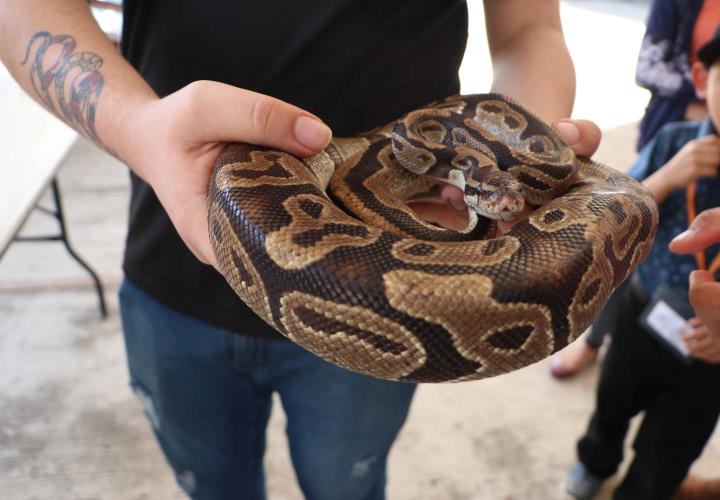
point(326, 250)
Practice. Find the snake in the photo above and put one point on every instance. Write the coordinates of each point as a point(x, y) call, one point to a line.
point(329, 251)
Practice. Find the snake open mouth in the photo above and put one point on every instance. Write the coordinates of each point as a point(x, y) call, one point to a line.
point(432, 208)
point(440, 215)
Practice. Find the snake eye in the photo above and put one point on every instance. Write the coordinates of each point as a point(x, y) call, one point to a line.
point(485, 192)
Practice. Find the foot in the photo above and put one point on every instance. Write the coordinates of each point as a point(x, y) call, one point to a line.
point(572, 360)
point(582, 484)
point(696, 488)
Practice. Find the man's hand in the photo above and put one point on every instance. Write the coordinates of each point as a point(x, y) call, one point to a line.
point(703, 343)
point(178, 138)
point(583, 136)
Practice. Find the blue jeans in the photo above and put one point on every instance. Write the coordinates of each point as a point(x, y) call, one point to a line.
point(207, 393)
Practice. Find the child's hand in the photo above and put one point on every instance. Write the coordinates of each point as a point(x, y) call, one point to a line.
point(698, 158)
point(702, 343)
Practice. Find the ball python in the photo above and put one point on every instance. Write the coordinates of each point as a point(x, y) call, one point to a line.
point(327, 251)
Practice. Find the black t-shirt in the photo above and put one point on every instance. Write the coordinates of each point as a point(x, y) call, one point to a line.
point(356, 64)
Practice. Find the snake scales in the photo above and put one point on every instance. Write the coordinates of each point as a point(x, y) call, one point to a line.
point(326, 250)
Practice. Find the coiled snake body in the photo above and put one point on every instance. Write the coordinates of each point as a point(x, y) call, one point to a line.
point(326, 250)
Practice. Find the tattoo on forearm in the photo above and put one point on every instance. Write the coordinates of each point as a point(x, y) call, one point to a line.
point(68, 82)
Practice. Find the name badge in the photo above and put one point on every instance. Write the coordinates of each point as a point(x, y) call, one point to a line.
point(665, 317)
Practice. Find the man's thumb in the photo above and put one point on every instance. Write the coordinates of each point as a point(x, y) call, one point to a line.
point(222, 112)
point(583, 136)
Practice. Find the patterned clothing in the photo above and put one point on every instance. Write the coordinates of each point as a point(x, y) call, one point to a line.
point(662, 266)
point(663, 65)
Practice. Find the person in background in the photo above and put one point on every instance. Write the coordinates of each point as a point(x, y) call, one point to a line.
point(705, 299)
point(677, 392)
point(676, 29)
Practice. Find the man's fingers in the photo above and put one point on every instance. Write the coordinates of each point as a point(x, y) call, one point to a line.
point(703, 232)
point(583, 136)
point(220, 112)
point(453, 196)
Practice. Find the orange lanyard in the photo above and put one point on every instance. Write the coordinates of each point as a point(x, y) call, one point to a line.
point(691, 213)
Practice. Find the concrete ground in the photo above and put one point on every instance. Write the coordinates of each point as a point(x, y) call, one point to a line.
point(71, 429)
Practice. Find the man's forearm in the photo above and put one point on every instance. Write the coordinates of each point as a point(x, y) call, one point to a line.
point(530, 59)
point(539, 73)
point(59, 55)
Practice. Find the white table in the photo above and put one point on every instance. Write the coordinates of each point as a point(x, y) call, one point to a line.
point(33, 144)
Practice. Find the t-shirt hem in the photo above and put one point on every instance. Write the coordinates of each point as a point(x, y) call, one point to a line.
point(241, 324)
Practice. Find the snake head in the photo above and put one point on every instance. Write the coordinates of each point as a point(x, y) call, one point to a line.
point(499, 197)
